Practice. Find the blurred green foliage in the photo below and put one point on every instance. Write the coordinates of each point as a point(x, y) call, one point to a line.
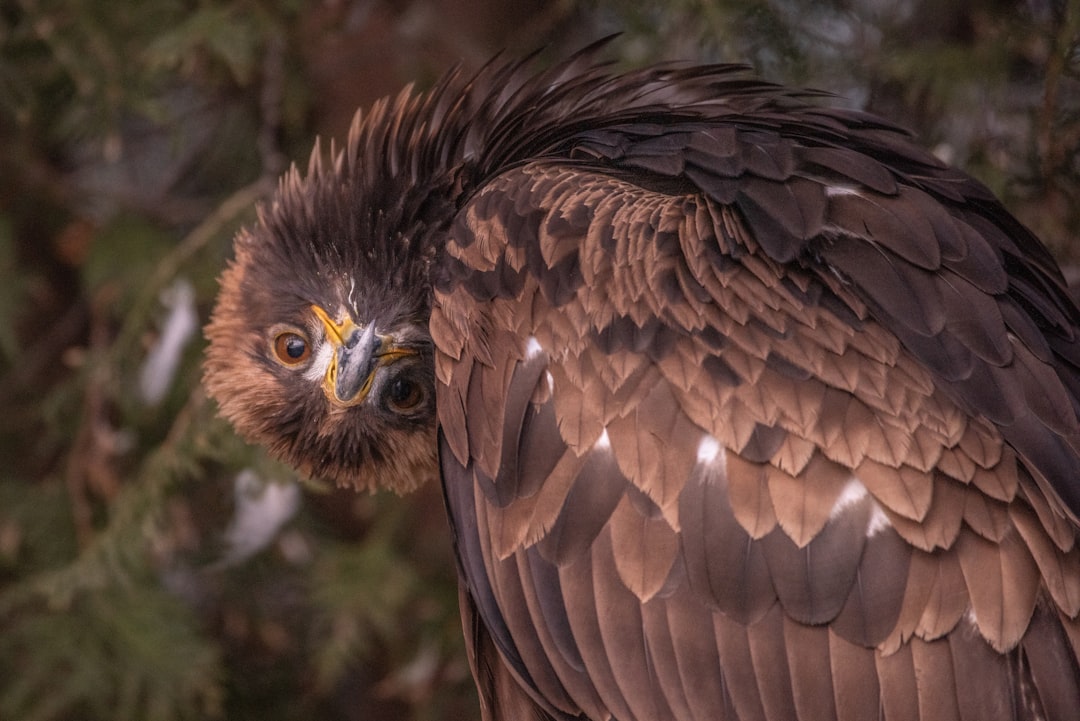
point(135, 138)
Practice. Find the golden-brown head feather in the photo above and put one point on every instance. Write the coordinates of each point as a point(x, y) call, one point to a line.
point(369, 446)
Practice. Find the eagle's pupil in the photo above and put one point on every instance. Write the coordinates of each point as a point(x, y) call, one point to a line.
point(295, 347)
point(291, 348)
point(404, 394)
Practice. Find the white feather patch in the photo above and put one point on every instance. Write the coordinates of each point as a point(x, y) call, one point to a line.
point(320, 361)
point(854, 492)
point(833, 190)
point(533, 347)
point(878, 522)
point(603, 442)
point(708, 449)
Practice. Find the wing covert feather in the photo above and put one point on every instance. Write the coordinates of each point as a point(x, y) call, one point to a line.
point(750, 391)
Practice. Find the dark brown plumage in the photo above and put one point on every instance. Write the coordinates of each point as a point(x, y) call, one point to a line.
point(745, 408)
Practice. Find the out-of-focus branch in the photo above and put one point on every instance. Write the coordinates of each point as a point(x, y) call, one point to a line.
point(89, 469)
point(232, 207)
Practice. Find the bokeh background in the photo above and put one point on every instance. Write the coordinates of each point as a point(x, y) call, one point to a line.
point(154, 567)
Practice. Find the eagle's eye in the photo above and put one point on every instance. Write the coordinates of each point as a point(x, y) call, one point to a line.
point(404, 395)
point(291, 348)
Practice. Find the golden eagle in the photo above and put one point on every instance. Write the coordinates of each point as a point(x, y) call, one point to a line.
point(745, 407)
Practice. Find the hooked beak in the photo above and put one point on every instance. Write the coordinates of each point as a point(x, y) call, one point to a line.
point(358, 352)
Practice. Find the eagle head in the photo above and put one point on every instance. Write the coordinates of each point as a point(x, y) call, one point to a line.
point(319, 348)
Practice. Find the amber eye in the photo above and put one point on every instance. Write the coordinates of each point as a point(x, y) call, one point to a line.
point(291, 348)
point(404, 395)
